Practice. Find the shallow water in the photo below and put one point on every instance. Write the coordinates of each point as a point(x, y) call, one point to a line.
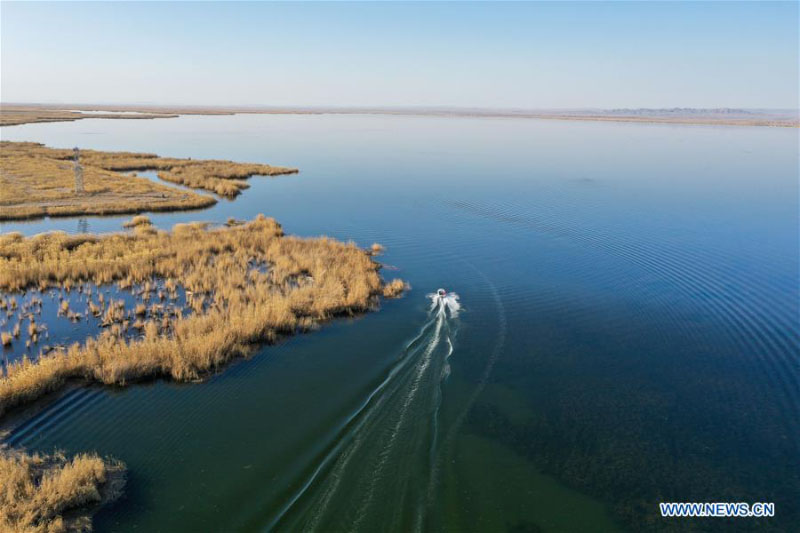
point(60, 328)
point(629, 331)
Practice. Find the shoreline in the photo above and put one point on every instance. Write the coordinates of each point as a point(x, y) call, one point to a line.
point(77, 213)
point(275, 285)
point(37, 181)
point(186, 284)
point(18, 114)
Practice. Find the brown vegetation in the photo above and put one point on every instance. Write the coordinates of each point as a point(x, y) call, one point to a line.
point(394, 289)
point(14, 115)
point(246, 284)
point(139, 220)
point(51, 493)
point(37, 181)
point(224, 178)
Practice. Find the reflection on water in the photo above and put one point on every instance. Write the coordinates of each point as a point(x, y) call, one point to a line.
point(630, 331)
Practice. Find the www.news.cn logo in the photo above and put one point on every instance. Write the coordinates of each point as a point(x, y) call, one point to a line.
point(718, 509)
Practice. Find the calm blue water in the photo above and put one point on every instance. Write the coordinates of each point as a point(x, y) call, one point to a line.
point(630, 332)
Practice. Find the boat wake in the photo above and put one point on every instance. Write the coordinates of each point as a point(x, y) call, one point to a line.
point(387, 448)
point(443, 302)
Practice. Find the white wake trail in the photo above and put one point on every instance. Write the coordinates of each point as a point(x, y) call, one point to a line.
point(423, 365)
point(441, 305)
point(348, 454)
point(384, 428)
point(367, 407)
point(496, 351)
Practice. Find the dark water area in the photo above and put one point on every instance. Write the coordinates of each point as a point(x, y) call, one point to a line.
point(630, 332)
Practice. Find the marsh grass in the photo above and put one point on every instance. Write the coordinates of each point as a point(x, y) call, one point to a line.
point(53, 493)
point(13, 115)
point(245, 284)
point(38, 181)
point(394, 288)
point(137, 221)
point(225, 178)
point(10, 116)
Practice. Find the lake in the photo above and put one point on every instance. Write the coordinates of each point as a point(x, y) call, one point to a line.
point(629, 333)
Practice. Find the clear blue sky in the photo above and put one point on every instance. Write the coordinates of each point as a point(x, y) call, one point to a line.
point(528, 55)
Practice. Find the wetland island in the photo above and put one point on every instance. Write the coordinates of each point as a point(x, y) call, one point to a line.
point(173, 304)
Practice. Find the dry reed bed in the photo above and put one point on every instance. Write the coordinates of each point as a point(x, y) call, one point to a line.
point(15, 114)
point(254, 283)
point(37, 181)
point(23, 323)
point(225, 178)
point(11, 115)
point(52, 493)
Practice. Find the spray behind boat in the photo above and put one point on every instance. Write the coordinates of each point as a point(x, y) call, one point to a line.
point(443, 302)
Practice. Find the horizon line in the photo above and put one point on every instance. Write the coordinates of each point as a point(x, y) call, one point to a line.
point(431, 107)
